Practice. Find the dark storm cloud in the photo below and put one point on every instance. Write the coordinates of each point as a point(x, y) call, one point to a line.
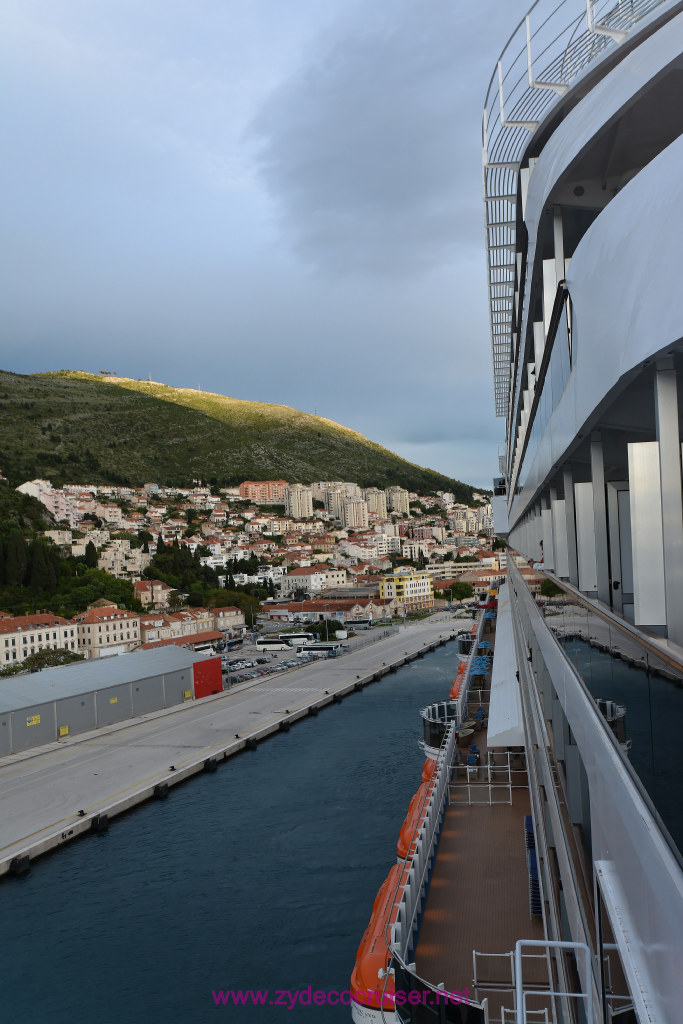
point(371, 151)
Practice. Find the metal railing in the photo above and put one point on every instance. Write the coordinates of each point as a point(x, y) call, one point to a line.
point(402, 934)
point(550, 49)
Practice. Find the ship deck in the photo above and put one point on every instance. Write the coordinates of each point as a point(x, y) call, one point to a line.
point(478, 898)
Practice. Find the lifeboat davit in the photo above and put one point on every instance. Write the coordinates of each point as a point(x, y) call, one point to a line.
point(371, 995)
point(414, 818)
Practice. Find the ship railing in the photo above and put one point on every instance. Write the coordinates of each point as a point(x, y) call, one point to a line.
point(411, 893)
point(420, 858)
point(556, 43)
point(491, 783)
point(463, 698)
point(494, 973)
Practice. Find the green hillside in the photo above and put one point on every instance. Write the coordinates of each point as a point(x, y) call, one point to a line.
point(73, 427)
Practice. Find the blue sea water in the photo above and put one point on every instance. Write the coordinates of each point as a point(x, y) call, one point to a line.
point(260, 876)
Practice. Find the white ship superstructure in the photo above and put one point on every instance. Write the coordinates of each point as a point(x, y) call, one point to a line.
point(583, 175)
point(540, 876)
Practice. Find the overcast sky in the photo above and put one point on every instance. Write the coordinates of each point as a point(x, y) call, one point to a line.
point(272, 199)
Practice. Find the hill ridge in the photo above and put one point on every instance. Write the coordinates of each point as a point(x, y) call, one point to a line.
point(78, 427)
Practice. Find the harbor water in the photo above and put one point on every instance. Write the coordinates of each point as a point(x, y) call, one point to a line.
point(258, 878)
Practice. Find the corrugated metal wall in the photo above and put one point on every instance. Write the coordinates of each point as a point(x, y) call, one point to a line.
point(113, 705)
point(5, 734)
point(75, 715)
point(70, 716)
point(178, 687)
point(31, 727)
point(148, 695)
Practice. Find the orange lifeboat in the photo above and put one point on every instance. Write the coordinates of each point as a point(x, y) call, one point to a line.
point(414, 818)
point(373, 953)
point(459, 680)
point(428, 769)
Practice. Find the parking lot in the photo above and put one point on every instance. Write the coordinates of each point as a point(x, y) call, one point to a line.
point(250, 663)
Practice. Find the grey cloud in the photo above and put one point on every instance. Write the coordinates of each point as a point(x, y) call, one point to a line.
point(371, 152)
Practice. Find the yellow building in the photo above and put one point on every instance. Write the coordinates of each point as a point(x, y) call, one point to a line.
point(413, 589)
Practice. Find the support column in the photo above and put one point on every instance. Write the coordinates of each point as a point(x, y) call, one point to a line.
point(600, 519)
point(666, 414)
point(547, 535)
point(559, 534)
point(585, 538)
point(558, 238)
point(573, 565)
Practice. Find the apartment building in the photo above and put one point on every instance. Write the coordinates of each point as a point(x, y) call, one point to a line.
point(313, 579)
point(299, 501)
point(377, 502)
point(152, 593)
point(334, 502)
point(354, 514)
point(411, 588)
point(120, 559)
point(398, 500)
point(23, 635)
point(228, 618)
point(107, 631)
point(264, 491)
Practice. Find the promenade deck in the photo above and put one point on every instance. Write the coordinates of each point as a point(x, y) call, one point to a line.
point(478, 898)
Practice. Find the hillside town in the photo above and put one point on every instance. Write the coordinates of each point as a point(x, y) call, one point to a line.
point(325, 551)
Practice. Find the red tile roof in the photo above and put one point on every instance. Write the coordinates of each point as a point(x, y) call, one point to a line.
point(182, 641)
point(38, 621)
point(104, 614)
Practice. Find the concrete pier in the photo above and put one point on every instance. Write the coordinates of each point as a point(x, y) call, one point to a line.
point(53, 794)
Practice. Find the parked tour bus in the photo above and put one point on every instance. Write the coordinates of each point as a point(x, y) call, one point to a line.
point(360, 623)
point(264, 643)
point(293, 639)
point(319, 649)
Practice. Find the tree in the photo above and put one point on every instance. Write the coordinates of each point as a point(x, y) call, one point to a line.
point(91, 555)
point(195, 598)
point(15, 559)
point(460, 591)
point(40, 569)
point(549, 589)
point(50, 659)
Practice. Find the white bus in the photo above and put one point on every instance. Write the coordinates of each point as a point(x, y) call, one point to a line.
point(318, 649)
point(264, 643)
point(360, 623)
point(293, 639)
